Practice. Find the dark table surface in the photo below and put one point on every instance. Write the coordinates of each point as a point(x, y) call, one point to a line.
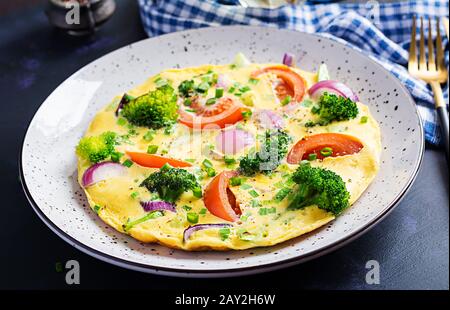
point(411, 244)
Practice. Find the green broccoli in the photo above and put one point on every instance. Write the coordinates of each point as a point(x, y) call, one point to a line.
point(155, 110)
point(321, 187)
point(171, 182)
point(333, 108)
point(274, 148)
point(97, 148)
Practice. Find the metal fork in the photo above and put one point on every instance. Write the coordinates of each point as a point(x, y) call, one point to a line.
point(433, 71)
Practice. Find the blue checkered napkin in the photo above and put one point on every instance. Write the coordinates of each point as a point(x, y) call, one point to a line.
point(381, 30)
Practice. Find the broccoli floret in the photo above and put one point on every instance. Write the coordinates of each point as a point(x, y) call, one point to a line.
point(97, 148)
point(171, 182)
point(155, 110)
point(333, 108)
point(321, 187)
point(274, 148)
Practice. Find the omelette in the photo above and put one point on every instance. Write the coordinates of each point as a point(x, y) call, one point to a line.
point(233, 156)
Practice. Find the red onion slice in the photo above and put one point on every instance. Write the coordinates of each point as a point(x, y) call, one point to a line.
point(158, 206)
point(102, 171)
point(124, 101)
point(191, 229)
point(334, 87)
point(270, 120)
point(233, 140)
point(288, 60)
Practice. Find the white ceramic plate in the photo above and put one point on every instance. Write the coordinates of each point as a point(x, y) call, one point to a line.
point(48, 163)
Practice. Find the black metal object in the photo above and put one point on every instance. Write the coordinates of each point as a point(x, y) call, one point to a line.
point(92, 13)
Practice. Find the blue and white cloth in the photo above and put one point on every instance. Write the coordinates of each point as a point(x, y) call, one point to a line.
point(381, 30)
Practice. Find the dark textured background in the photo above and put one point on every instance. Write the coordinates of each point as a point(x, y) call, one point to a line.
point(411, 244)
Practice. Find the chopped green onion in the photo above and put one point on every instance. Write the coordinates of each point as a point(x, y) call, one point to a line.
point(364, 119)
point(187, 208)
point(187, 101)
point(202, 211)
point(254, 203)
point(253, 193)
point(312, 156)
point(152, 149)
point(134, 195)
point(115, 157)
point(166, 167)
point(211, 101)
point(326, 151)
point(192, 217)
point(149, 216)
point(127, 163)
point(224, 233)
point(197, 192)
point(286, 100)
point(244, 89)
point(229, 160)
point(121, 121)
point(191, 160)
point(245, 186)
point(235, 181)
point(281, 194)
point(97, 208)
point(306, 103)
point(219, 92)
point(253, 81)
point(262, 211)
point(247, 114)
point(231, 89)
point(207, 163)
point(203, 87)
point(149, 135)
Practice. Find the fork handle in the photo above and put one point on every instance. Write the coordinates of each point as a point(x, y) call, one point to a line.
point(441, 108)
point(443, 118)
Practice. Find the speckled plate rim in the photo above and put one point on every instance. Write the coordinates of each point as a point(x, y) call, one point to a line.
point(241, 270)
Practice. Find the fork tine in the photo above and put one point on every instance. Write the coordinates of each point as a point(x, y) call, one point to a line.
point(422, 61)
point(439, 50)
point(431, 62)
point(412, 62)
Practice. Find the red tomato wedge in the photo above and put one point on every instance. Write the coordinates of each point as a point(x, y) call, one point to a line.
point(292, 83)
point(219, 199)
point(340, 145)
point(155, 161)
point(221, 114)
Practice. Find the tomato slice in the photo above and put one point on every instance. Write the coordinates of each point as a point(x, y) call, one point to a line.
point(340, 145)
point(155, 161)
point(219, 199)
point(221, 114)
point(292, 84)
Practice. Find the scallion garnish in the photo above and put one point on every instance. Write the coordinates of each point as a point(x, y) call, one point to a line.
point(326, 151)
point(286, 100)
point(211, 101)
point(127, 163)
point(219, 92)
point(152, 149)
point(312, 156)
